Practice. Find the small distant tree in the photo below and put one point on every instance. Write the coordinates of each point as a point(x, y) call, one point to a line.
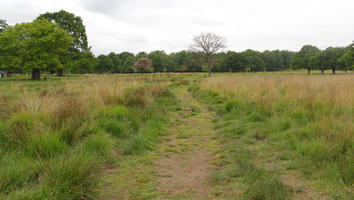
point(142, 65)
point(301, 59)
point(209, 44)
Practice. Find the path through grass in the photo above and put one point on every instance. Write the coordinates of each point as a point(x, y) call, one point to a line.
point(186, 157)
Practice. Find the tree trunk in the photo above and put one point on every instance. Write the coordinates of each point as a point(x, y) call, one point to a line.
point(60, 72)
point(333, 70)
point(308, 71)
point(322, 71)
point(209, 71)
point(345, 70)
point(36, 74)
point(209, 67)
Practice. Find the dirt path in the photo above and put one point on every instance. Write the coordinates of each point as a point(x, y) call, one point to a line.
point(185, 159)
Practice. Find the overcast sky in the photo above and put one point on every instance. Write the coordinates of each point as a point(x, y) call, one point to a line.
point(146, 25)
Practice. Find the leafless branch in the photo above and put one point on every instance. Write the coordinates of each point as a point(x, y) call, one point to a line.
point(209, 43)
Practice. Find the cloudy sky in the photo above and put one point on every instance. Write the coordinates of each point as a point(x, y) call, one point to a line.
point(146, 25)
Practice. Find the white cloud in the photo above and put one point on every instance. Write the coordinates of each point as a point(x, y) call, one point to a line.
point(146, 25)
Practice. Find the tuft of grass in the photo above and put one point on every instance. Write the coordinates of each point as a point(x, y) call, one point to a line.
point(135, 97)
point(73, 176)
point(17, 171)
point(45, 145)
point(160, 91)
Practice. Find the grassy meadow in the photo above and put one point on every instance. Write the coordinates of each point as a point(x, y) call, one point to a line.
point(58, 137)
point(282, 129)
point(279, 135)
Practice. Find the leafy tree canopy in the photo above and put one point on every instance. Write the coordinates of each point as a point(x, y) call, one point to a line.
point(34, 46)
point(3, 25)
point(73, 25)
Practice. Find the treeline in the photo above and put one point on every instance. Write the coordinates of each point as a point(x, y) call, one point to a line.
point(309, 57)
point(187, 61)
point(334, 58)
point(57, 43)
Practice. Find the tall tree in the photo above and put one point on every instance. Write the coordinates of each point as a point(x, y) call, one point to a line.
point(3, 25)
point(104, 64)
point(159, 60)
point(34, 46)
point(75, 27)
point(209, 44)
point(85, 63)
point(331, 56)
point(117, 63)
point(301, 59)
point(252, 61)
point(129, 64)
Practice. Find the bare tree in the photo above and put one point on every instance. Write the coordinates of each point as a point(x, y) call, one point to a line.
point(209, 44)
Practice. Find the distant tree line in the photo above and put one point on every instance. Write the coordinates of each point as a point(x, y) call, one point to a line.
point(57, 43)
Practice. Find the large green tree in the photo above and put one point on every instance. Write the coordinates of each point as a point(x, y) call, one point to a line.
point(331, 57)
point(117, 63)
point(129, 64)
point(252, 61)
point(34, 46)
point(159, 61)
point(75, 27)
point(104, 64)
point(301, 59)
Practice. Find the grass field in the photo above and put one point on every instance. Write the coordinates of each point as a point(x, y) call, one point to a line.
point(178, 136)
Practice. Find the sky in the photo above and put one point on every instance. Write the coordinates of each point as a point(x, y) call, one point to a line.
point(147, 25)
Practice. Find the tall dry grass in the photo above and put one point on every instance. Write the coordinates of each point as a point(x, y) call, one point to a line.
point(332, 90)
point(309, 115)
